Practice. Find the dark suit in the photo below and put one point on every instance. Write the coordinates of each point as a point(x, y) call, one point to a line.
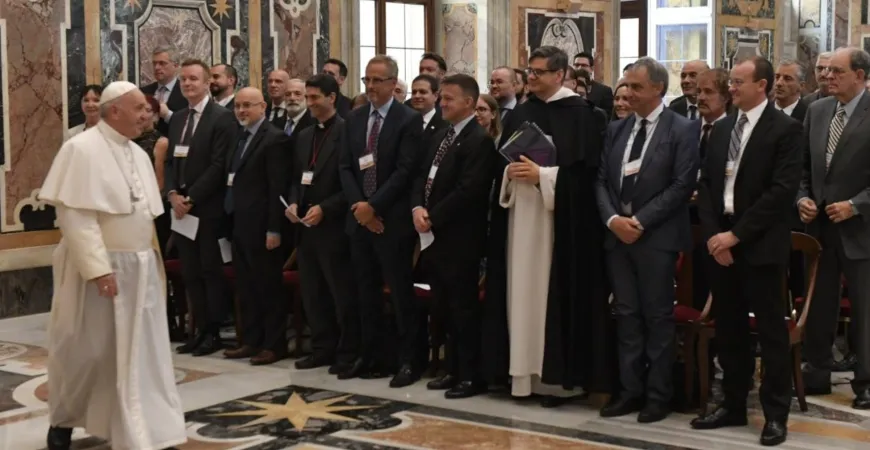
point(796, 280)
point(846, 244)
point(766, 181)
point(457, 208)
point(680, 105)
point(326, 273)
point(231, 105)
point(809, 99)
point(643, 272)
point(280, 118)
point(390, 254)
point(201, 177)
point(175, 102)
point(343, 105)
point(601, 96)
point(259, 174)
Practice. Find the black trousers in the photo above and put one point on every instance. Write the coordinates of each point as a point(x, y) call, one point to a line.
point(455, 296)
point(822, 321)
point(329, 294)
point(203, 273)
point(258, 286)
point(737, 290)
point(378, 259)
point(643, 288)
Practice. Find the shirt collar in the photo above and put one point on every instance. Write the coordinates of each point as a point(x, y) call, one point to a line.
point(652, 118)
point(299, 116)
point(755, 113)
point(169, 86)
point(457, 128)
point(428, 117)
point(704, 121)
point(200, 107)
point(112, 134)
point(510, 104)
point(383, 110)
point(328, 122)
point(850, 107)
point(253, 127)
point(788, 109)
point(225, 101)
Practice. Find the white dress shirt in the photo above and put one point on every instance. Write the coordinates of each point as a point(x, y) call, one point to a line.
point(704, 122)
point(752, 117)
point(790, 108)
point(198, 109)
point(225, 101)
point(689, 106)
point(428, 117)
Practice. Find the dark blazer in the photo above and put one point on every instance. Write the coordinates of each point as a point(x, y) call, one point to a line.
point(433, 127)
point(279, 122)
point(175, 103)
point(811, 98)
point(680, 105)
point(460, 191)
point(305, 122)
point(767, 181)
point(662, 187)
point(260, 180)
point(847, 178)
point(325, 189)
point(800, 111)
point(396, 164)
point(601, 96)
point(343, 105)
point(232, 105)
point(203, 171)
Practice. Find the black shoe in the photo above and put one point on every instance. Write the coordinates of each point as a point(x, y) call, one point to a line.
point(653, 412)
point(211, 344)
point(442, 383)
point(847, 364)
point(405, 377)
point(551, 401)
point(59, 438)
point(621, 407)
point(464, 389)
point(862, 400)
point(774, 433)
point(312, 362)
point(191, 344)
point(719, 418)
point(338, 368)
point(814, 390)
point(353, 370)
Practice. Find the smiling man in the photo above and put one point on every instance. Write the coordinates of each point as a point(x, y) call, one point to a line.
point(787, 87)
point(503, 87)
point(687, 104)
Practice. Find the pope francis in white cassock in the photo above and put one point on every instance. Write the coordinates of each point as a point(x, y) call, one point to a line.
point(109, 363)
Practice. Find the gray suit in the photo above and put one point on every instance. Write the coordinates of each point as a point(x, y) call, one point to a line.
point(643, 272)
point(846, 244)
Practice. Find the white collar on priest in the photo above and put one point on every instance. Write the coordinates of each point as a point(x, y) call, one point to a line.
point(111, 134)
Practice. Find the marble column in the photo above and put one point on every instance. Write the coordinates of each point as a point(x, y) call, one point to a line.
point(498, 34)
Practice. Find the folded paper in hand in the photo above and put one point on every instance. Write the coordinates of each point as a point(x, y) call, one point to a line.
point(531, 142)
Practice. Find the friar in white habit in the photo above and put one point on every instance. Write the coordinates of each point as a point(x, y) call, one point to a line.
point(109, 362)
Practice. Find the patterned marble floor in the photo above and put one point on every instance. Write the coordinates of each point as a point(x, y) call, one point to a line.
point(231, 405)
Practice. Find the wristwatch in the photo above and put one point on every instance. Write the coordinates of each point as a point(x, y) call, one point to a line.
point(854, 208)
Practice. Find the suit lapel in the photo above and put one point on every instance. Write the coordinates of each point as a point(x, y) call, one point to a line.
point(617, 153)
point(206, 114)
point(817, 152)
point(254, 145)
point(663, 128)
point(327, 148)
point(855, 121)
point(719, 157)
point(388, 125)
point(757, 131)
point(449, 157)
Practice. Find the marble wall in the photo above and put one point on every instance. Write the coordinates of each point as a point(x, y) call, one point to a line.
point(463, 29)
point(50, 49)
point(747, 27)
point(860, 30)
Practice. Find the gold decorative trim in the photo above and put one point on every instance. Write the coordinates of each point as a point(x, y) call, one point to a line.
point(255, 44)
point(334, 30)
point(29, 239)
point(93, 64)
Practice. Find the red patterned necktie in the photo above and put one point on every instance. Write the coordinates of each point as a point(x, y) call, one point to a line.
point(370, 176)
point(439, 155)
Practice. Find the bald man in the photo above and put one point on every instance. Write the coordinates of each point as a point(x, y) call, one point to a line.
point(276, 84)
point(298, 117)
point(256, 177)
point(687, 104)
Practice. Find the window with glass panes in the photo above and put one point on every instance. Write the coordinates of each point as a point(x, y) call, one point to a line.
point(398, 28)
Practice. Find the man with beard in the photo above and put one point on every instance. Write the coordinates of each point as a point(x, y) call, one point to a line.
point(503, 88)
point(687, 104)
point(298, 117)
point(522, 84)
point(277, 88)
point(223, 85)
point(556, 296)
point(821, 72)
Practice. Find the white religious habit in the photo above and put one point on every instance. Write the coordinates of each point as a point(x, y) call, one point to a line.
point(109, 362)
point(529, 256)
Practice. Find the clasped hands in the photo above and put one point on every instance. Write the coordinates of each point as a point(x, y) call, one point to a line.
point(421, 220)
point(627, 229)
point(312, 218)
point(720, 247)
point(181, 205)
point(526, 171)
point(107, 285)
point(837, 212)
point(365, 216)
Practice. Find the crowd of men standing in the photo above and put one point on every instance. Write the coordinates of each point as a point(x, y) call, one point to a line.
point(358, 189)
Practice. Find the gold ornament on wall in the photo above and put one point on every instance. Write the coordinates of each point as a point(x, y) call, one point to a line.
point(221, 9)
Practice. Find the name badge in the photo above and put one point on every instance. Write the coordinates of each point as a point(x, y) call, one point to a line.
point(828, 158)
point(729, 168)
point(432, 171)
point(631, 168)
point(181, 151)
point(230, 179)
point(366, 161)
point(307, 177)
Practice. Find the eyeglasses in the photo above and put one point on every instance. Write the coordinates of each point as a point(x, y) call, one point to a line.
point(539, 72)
point(367, 80)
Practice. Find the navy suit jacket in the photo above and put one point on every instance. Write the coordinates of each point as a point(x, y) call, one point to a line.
point(663, 186)
point(399, 146)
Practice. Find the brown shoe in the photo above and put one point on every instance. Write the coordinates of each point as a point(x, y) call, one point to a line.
point(266, 357)
point(245, 351)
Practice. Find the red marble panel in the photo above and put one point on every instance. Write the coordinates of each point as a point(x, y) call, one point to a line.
point(297, 27)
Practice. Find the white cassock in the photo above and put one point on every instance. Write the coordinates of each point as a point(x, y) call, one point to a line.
point(529, 256)
point(109, 362)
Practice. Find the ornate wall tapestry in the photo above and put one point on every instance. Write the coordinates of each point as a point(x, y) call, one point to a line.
point(741, 43)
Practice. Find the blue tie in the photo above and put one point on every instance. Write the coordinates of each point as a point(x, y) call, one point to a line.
point(288, 130)
point(237, 162)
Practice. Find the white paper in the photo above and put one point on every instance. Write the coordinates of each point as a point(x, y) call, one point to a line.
point(230, 178)
point(226, 250)
point(426, 239)
point(281, 197)
point(422, 286)
point(186, 226)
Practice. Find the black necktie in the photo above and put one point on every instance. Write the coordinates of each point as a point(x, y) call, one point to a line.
point(636, 151)
point(693, 112)
point(705, 135)
point(188, 132)
point(237, 162)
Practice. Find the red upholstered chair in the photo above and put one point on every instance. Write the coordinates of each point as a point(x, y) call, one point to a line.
point(812, 250)
point(181, 316)
point(290, 279)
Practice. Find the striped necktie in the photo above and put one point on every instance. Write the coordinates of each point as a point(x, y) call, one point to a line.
point(834, 134)
point(736, 138)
